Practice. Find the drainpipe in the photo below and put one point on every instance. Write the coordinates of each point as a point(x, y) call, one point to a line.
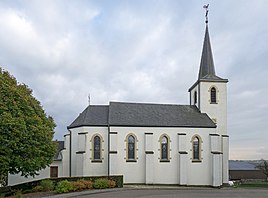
point(70, 157)
point(108, 151)
point(199, 96)
point(108, 143)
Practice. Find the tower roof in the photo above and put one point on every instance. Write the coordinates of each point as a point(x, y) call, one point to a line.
point(207, 69)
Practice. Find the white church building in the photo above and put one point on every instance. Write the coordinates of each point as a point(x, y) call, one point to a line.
point(152, 143)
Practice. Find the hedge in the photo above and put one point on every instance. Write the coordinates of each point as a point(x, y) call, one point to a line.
point(28, 186)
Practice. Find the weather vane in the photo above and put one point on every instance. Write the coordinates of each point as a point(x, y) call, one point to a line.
point(206, 7)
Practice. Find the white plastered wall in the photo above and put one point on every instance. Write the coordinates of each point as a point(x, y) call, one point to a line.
point(216, 111)
point(43, 174)
point(164, 172)
point(82, 162)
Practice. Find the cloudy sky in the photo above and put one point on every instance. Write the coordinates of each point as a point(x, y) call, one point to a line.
point(140, 51)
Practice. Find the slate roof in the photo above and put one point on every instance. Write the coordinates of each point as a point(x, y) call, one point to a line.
point(143, 115)
point(207, 69)
point(93, 115)
point(242, 165)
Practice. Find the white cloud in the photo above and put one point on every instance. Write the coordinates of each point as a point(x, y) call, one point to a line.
point(139, 51)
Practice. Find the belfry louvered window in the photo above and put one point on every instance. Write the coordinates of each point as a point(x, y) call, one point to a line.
point(213, 96)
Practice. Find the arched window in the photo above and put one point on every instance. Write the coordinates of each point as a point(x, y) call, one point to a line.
point(196, 148)
point(131, 146)
point(213, 95)
point(195, 97)
point(97, 148)
point(164, 148)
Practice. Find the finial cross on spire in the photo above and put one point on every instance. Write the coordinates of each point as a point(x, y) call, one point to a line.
point(206, 7)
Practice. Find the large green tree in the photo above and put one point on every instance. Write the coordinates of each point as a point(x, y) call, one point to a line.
point(26, 131)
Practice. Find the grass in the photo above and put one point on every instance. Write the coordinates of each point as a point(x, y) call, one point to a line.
point(253, 185)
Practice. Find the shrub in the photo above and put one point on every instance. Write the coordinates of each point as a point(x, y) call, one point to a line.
point(64, 187)
point(87, 183)
point(118, 180)
point(101, 183)
point(18, 194)
point(37, 189)
point(111, 183)
point(78, 185)
point(47, 185)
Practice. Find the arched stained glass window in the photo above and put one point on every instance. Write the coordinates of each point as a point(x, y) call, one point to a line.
point(196, 148)
point(97, 148)
point(131, 147)
point(213, 96)
point(164, 148)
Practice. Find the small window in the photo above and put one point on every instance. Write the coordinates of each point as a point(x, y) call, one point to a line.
point(53, 171)
point(213, 96)
point(196, 148)
point(97, 148)
point(131, 148)
point(195, 97)
point(164, 148)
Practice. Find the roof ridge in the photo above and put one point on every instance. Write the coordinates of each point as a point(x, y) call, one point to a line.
point(144, 103)
point(98, 105)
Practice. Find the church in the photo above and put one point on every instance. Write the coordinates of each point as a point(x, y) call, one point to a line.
point(152, 143)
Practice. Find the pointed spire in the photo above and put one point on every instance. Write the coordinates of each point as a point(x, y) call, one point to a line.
point(207, 69)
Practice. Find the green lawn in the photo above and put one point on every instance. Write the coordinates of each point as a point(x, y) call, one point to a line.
point(253, 185)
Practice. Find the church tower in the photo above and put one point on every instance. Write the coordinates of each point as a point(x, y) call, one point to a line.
point(209, 92)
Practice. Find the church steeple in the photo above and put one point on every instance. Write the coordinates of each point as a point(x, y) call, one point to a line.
point(207, 69)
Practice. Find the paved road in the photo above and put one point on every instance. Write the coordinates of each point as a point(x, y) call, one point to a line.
point(181, 193)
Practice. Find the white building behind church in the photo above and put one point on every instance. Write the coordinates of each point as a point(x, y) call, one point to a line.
point(152, 143)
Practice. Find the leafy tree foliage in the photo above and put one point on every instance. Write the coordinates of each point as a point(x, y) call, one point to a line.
point(263, 166)
point(26, 131)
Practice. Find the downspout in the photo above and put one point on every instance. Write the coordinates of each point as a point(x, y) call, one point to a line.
point(199, 96)
point(108, 143)
point(108, 151)
point(70, 157)
point(190, 97)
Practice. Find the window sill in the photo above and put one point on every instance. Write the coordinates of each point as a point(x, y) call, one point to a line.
point(131, 160)
point(196, 161)
point(96, 161)
point(164, 160)
point(213, 103)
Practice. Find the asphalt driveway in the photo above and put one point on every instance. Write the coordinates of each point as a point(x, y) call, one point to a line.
point(178, 193)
